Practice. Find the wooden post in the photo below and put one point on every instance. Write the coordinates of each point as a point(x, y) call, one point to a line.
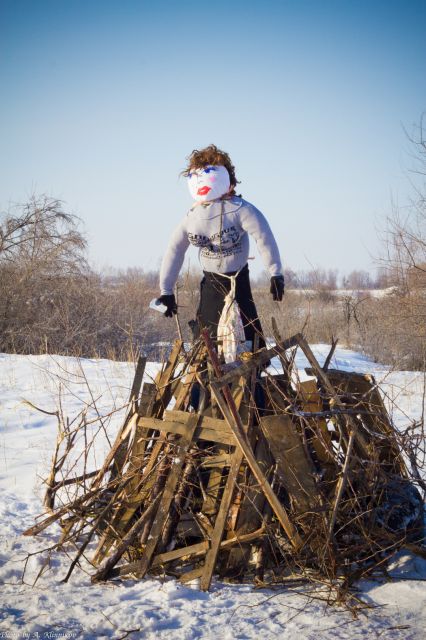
point(169, 491)
point(219, 524)
point(231, 415)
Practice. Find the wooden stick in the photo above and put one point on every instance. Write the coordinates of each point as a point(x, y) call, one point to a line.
point(68, 481)
point(285, 362)
point(265, 486)
point(220, 521)
point(197, 549)
point(316, 367)
point(326, 364)
point(117, 453)
point(163, 381)
point(231, 415)
point(177, 504)
point(180, 554)
point(416, 548)
point(191, 575)
point(169, 490)
point(179, 330)
point(137, 382)
point(341, 485)
point(39, 527)
point(323, 377)
point(121, 439)
point(258, 359)
point(104, 571)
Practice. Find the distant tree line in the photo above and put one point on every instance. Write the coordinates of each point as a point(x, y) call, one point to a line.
point(330, 279)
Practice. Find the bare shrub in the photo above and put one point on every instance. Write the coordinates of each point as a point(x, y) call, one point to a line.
point(52, 301)
point(401, 317)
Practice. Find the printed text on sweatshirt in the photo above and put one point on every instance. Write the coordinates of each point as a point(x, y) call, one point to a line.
point(220, 229)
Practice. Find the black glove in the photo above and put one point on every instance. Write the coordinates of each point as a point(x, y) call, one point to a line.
point(277, 287)
point(170, 303)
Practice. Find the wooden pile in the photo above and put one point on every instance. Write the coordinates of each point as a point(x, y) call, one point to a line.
point(225, 471)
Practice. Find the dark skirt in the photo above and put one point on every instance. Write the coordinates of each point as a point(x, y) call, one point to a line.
point(213, 289)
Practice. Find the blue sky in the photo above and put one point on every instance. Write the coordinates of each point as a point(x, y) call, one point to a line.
point(103, 100)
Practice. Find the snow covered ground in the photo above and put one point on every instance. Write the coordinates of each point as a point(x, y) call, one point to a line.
point(160, 608)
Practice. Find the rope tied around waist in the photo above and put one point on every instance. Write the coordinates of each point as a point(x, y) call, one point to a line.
point(230, 331)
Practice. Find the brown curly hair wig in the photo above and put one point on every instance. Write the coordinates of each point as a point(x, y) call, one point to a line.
point(200, 158)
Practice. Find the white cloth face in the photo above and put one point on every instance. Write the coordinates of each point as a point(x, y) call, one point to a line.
point(209, 183)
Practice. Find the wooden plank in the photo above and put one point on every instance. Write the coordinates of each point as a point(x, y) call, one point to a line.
point(184, 553)
point(237, 395)
point(366, 395)
point(145, 481)
point(346, 423)
point(200, 548)
point(180, 554)
point(121, 438)
point(231, 415)
point(163, 376)
point(125, 543)
point(132, 568)
point(278, 393)
point(118, 452)
point(136, 456)
point(244, 445)
point(247, 515)
point(137, 383)
point(218, 461)
point(147, 400)
point(180, 429)
point(220, 521)
point(246, 511)
point(215, 482)
point(191, 575)
point(206, 421)
point(190, 378)
point(362, 391)
point(311, 401)
point(162, 425)
point(163, 380)
point(294, 470)
point(179, 502)
point(211, 503)
point(161, 516)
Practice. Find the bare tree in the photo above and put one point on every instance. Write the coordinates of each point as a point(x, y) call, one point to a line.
point(42, 254)
point(405, 261)
point(41, 233)
point(406, 227)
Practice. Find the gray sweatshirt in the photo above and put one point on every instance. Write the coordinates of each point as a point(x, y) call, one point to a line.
point(220, 230)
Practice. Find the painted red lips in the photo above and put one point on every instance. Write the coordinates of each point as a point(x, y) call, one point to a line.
point(203, 191)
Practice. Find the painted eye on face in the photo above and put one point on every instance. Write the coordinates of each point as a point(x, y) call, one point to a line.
point(208, 169)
